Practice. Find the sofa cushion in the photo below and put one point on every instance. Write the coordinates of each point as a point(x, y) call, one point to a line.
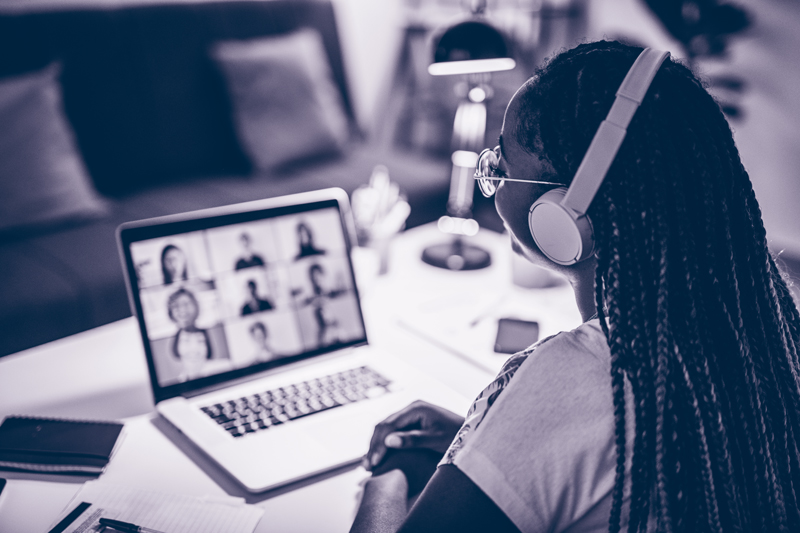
point(144, 97)
point(286, 106)
point(43, 180)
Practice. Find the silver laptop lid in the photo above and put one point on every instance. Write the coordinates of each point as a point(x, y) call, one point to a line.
point(224, 293)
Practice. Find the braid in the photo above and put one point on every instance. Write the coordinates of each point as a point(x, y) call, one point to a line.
point(700, 393)
point(699, 319)
point(663, 344)
point(763, 329)
point(707, 387)
point(618, 391)
point(735, 325)
point(641, 476)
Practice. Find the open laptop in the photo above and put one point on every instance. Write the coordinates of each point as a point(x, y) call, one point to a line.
point(254, 336)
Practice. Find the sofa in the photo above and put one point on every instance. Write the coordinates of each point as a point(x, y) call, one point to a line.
point(152, 124)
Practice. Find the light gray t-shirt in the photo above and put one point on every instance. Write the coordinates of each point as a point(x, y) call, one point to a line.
point(539, 441)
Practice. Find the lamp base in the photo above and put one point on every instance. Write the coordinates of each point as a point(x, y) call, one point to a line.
point(456, 255)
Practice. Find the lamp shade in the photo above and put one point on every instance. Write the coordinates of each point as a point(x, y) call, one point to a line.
point(470, 47)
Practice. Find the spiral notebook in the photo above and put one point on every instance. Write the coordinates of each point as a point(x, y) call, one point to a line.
point(57, 445)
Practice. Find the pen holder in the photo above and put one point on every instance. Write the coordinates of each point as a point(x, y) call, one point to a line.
point(380, 247)
point(380, 212)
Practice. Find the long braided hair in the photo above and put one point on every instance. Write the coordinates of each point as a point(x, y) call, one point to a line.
point(699, 319)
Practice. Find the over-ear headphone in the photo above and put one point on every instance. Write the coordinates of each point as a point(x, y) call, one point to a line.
point(557, 219)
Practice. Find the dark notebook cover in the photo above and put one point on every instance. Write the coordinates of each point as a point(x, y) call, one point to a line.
point(26, 442)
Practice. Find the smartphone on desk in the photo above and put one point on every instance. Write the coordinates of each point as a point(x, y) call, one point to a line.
point(514, 335)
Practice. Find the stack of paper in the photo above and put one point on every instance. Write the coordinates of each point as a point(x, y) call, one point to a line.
point(161, 511)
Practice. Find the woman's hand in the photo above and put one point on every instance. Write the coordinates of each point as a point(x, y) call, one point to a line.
point(420, 425)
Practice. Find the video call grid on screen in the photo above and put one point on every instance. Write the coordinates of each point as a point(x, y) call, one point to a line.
point(259, 292)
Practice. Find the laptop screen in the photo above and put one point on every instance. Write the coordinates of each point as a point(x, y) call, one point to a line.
point(224, 293)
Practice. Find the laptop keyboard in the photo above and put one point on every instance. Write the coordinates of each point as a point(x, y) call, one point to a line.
point(267, 409)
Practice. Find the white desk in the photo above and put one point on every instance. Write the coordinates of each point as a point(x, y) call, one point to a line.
point(102, 374)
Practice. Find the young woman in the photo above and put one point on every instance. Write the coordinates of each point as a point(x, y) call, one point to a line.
point(191, 345)
point(173, 264)
point(676, 405)
point(305, 240)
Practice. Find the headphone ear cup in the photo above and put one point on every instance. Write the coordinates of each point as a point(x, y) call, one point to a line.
point(562, 236)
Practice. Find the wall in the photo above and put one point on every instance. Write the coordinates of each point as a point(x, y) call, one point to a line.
point(767, 57)
point(371, 33)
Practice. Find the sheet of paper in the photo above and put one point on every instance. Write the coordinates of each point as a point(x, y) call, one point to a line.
point(162, 511)
point(466, 323)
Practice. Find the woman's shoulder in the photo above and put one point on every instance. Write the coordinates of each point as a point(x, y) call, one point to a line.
point(568, 352)
point(543, 446)
point(586, 340)
point(586, 344)
point(572, 364)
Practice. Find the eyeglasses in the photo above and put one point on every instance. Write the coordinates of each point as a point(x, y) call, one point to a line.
point(488, 173)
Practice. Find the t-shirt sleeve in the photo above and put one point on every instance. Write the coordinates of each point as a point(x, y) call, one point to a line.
point(544, 452)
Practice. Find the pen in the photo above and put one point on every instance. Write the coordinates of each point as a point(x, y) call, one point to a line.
point(127, 527)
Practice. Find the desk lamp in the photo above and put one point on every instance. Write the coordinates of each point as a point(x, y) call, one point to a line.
point(472, 48)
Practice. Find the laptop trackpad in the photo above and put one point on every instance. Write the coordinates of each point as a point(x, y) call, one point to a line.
point(346, 438)
point(348, 435)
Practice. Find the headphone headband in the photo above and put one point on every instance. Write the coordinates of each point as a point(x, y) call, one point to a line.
point(557, 219)
point(609, 136)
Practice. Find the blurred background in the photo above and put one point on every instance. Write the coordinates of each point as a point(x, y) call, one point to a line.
point(115, 110)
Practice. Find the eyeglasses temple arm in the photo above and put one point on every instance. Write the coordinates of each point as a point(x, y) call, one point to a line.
point(477, 177)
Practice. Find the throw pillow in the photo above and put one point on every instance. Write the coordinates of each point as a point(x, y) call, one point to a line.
point(285, 103)
point(43, 180)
